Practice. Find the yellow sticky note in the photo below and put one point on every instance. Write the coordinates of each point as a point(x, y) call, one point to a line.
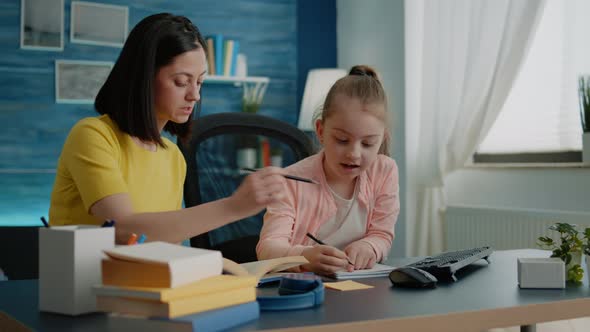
point(347, 285)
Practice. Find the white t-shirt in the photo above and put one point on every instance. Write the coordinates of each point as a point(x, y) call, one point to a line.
point(348, 225)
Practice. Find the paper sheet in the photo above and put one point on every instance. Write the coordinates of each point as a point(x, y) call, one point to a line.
point(347, 285)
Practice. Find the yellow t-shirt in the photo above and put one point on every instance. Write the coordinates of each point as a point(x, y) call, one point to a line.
point(99, 160)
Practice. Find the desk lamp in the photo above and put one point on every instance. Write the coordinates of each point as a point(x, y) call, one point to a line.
point(317, 85)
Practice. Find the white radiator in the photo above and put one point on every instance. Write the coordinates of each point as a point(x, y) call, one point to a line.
point(468, 226)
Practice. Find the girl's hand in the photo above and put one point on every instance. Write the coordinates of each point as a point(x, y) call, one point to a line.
point(361, 254)
point(325, 260)
point(258, 190)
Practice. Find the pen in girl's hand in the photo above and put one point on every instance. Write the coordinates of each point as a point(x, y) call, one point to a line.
point(291, 177)
point(44, 221)
point(322, 243)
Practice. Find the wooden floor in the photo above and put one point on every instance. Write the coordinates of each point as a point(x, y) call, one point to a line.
point(572, 325)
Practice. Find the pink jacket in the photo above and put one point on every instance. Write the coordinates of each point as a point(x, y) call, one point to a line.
point(307, 206)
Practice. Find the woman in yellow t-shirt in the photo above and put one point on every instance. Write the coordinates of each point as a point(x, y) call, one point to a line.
point(118, 166)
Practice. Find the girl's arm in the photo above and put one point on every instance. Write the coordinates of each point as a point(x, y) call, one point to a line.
point(256, 191)
point(380, 232)
point(276, 238)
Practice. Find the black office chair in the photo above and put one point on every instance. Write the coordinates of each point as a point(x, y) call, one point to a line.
point(213, 172)
point(19, 252)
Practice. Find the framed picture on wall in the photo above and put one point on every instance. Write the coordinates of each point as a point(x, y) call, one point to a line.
point(42, 25)
point(78, 82)
point(98, 24)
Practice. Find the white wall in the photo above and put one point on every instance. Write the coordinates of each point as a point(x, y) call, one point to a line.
point(531, 188)
point(371, 32)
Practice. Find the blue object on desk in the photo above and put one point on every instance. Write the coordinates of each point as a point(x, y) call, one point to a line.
point(296, 291)
point(141, 239)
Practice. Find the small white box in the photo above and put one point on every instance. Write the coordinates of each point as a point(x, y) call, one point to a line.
point(69, 265)
point(541, 273)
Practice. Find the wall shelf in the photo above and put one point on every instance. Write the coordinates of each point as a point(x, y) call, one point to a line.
point(236, 80)
point(254, 86)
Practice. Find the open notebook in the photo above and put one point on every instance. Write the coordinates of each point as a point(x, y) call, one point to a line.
point(379, 270)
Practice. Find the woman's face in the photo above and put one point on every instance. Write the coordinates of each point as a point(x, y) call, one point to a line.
point(177, 87)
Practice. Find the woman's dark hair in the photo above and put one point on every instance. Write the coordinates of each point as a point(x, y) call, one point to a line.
point(127, 96)
point(362, 82)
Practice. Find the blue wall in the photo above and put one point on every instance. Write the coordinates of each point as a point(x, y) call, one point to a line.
point(316, 39)
point(35, 127)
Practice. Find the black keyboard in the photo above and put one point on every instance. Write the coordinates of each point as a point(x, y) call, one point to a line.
point(443, 266)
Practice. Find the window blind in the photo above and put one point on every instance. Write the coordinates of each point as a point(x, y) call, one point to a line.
point(541, 113)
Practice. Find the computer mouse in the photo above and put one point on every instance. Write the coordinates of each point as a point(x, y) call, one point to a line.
point(407, 276)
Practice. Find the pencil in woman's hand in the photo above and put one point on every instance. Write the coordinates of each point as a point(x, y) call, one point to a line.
point(291, 177)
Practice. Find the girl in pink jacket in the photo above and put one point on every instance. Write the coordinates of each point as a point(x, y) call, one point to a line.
point(354, 205)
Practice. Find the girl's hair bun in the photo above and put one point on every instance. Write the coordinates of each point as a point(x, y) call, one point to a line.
point(362, 70)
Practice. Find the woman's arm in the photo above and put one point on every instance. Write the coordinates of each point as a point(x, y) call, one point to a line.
point(257, 191)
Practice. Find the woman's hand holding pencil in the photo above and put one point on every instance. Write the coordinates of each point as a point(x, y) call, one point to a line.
point(257, 191)
point(290, 177)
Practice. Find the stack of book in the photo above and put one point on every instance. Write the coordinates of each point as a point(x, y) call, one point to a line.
point(156, 285)
point(222, 54)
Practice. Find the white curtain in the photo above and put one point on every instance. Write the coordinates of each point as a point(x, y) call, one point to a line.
point(467, 54)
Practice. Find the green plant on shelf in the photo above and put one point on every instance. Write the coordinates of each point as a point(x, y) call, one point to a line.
point(252, 98)
point(569, 249)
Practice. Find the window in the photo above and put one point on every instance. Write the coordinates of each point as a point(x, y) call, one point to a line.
point(541, 115)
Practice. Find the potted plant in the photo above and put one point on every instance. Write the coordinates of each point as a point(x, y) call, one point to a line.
point(252, 97)
point(584, 96)
point(568, 249)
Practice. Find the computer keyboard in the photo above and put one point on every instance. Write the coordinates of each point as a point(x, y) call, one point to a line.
point(443, 266)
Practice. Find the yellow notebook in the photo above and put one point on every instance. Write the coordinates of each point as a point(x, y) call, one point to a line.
point(206, 286)
point(179, 307)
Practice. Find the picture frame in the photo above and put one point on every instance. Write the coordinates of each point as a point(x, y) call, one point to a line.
point(42, 25)
point(78, 81)
point(98, 24)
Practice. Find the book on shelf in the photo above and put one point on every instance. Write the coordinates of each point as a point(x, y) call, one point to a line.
point(264, 269)
point(209, 285)
point(159, 264)
point(379, 270)
point(177, 307)
point(234, 58)
point(210, 55)
point(213, 320)
point(228, 49)
point(218, 51)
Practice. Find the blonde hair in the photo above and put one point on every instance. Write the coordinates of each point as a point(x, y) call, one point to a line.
point(362, 82)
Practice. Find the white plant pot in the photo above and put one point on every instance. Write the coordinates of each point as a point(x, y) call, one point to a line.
point(576, 259)
point(586, 147)
point(247, 158)
point(276, 160)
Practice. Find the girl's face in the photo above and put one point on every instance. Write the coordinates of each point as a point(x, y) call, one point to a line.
point(351, 137)
point(177, 87)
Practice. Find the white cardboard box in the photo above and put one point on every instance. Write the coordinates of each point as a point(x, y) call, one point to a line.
point(69, 265)
point(541, 273)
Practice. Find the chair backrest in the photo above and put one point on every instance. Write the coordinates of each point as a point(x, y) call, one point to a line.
point(19, 252)
point(213, 171)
